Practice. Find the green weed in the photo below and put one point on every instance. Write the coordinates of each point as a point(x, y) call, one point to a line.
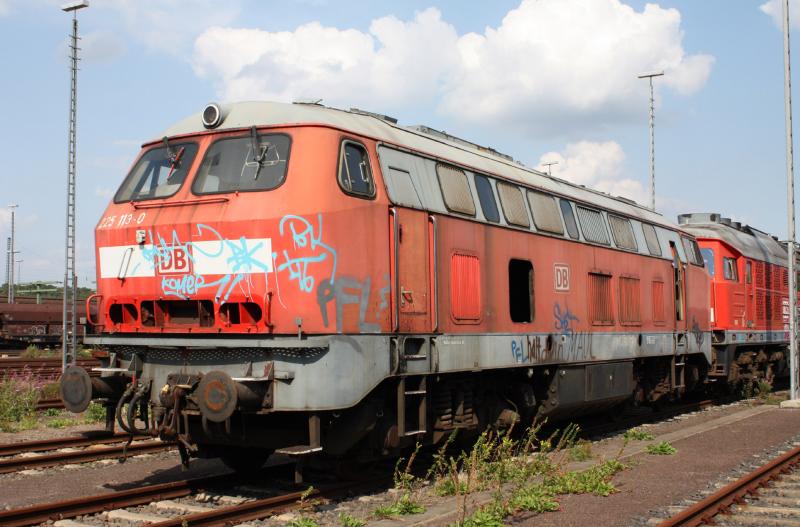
point(18, 397)
point(634, 434)
point(401, 507)
point(303, 522)
point(95, 413)
point(661, 449)
point(580, 451)
point(347, 520)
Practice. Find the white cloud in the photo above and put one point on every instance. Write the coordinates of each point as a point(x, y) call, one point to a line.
point(551, 65)
point(170, 25)
point(5, 7)
point(599, 166)
point(101, 47)
point(774, 8)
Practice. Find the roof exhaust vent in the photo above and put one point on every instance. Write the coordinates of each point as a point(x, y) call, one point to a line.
point(213, 115)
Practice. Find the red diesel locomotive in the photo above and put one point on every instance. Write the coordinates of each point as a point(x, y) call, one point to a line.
point(304, 279)
point(749, 303)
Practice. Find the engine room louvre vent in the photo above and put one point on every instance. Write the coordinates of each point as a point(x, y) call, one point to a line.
point(593, 225)
point(545, 212)
point(630, 309)
point(601, 311)
point(658, 302)
point(623, 232)
point(513, 204)
point(455, 189)
point(465, 287)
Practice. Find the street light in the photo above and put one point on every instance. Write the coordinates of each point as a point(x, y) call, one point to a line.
point(649, 76)
point(69, 322)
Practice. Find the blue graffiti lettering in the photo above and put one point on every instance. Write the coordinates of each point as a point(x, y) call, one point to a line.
point(303, 236)
point(564, 320)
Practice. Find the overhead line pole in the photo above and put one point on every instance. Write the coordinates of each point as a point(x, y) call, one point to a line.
point(69, 322)
point(11, 256)
point(787, 93)
point(649, 77)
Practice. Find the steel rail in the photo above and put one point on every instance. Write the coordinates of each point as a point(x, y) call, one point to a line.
point(101, 438)
point(15, 464)
point(258, 509)
point(46, 404)
point(702, 511)
point(60, 510)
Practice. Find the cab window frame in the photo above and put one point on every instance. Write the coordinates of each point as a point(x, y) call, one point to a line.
point(241, 136)
point(146, 149)
point(340, 164)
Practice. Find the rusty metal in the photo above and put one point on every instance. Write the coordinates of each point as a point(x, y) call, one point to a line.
point(101, 438)
point(112, 500)
point(258, 509)
point(82, 456)
point(704, 510)
point(46, 404)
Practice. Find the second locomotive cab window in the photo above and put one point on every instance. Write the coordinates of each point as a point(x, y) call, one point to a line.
point(354, 173)
point(545, 212)
point(159, 173)
point(520, 290)
point(455, 189)
point(486, 197)
point(513, 204)
point(569, 219)
point(729, 270)
point(708, 259)
point(593, 225)
point(622, 231)
point(241, 164)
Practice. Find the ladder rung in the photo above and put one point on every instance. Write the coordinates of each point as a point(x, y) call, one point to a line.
point(415, 357)
point(680, 364)
point(416, 392)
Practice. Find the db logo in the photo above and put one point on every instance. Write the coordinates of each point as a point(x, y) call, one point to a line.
point(175, 260)
point(561, 277)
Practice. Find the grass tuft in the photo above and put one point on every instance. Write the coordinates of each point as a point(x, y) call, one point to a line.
point(661, 449)
point(634, 434)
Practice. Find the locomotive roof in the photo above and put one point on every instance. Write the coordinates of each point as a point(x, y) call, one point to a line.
point(748, 240)
point(420, 138)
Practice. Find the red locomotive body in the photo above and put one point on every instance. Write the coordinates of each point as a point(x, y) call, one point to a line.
point(749, 305)
point(328, 280)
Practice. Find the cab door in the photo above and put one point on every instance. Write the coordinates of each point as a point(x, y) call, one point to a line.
point(679, 290)
point(411, 268)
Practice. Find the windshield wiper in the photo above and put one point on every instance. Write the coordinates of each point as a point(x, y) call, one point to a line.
point(174, 157)
point(258, 155)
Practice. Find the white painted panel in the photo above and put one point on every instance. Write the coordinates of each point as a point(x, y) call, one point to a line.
point(245, 255)
point(126, 261)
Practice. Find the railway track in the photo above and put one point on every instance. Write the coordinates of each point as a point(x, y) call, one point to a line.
point(768, 496)
point(182, 504)
point(48, 368)
point(51, 453)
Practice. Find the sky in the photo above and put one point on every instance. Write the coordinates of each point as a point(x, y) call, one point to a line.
point(541, 80)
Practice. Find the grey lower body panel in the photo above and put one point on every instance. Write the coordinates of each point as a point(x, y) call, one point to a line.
point(336, 372)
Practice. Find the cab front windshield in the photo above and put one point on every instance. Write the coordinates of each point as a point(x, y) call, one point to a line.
point(159, 173)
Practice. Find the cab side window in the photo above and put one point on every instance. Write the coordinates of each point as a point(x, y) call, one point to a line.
point(355, 176)
point(729, 270)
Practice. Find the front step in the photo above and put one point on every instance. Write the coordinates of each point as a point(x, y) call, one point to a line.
point(412, 406)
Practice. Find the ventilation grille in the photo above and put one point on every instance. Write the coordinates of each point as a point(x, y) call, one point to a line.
point(601, 311)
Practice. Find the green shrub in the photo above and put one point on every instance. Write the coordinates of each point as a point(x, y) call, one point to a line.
point(18, 397)
point(303, 522)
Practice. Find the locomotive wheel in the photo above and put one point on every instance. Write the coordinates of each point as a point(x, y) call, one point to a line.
point(244, 460)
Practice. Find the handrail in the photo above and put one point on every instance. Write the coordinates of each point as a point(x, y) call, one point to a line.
point(434, 270)
point(162, 204)
point(393, 268)
point(88, 311)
